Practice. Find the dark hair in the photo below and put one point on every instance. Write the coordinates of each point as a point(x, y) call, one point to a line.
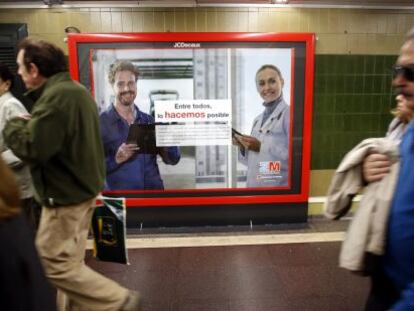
point(9, 193)
point(121, 65)
point(6, 74)
point(47, 57)
point(269, 66)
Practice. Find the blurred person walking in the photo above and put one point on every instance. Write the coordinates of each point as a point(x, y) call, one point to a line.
point(392, 275)
point(61, 141)
point(11, 107)
point(24, 286)
point(364, 242)
point(393, 283)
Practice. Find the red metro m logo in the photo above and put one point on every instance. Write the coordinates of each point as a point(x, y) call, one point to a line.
point(274, 166)
point(269, 167)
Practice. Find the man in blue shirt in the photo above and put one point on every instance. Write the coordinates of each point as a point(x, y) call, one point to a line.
point(393, 283)
point(127, 167)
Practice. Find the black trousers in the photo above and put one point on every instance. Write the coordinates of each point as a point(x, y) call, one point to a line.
point(383, 294)
point(32, 210)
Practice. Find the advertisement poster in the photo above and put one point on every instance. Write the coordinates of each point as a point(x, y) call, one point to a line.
point(222, 114)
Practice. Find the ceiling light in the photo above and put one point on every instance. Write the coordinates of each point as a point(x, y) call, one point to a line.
point(52, 2)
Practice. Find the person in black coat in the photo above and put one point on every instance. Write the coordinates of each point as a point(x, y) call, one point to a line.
point(23, 283)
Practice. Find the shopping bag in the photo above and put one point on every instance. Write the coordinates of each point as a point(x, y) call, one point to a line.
point(109, 230)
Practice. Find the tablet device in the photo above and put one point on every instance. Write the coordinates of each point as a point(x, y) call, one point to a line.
point(233, 131)
point(143, 135)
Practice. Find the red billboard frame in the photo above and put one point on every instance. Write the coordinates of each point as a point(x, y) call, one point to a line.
point(74, 40)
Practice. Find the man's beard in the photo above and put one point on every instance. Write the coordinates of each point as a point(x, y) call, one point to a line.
point(122, 101)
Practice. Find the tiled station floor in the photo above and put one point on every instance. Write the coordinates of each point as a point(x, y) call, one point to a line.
point(290, 268)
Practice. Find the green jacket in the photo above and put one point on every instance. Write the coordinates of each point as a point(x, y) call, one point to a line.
point(61, 142)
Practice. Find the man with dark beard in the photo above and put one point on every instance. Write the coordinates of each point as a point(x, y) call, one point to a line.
point(126, 166)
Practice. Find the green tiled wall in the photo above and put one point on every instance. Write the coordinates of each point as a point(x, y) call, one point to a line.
point(352, 101)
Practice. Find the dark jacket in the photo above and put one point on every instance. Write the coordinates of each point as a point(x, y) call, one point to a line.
point(23, 284)
point(141, 171)
point(61, 142)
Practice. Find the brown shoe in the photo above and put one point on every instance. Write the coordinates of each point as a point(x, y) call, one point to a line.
point(132, 302)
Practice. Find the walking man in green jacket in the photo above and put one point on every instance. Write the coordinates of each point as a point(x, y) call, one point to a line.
point(61, 142)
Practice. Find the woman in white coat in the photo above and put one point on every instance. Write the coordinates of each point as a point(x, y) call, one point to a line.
point(266, 150)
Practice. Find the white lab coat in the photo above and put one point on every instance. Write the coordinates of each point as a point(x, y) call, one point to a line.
point(269, 167)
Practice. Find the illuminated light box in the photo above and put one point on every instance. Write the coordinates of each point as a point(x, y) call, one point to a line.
point(236, 107)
